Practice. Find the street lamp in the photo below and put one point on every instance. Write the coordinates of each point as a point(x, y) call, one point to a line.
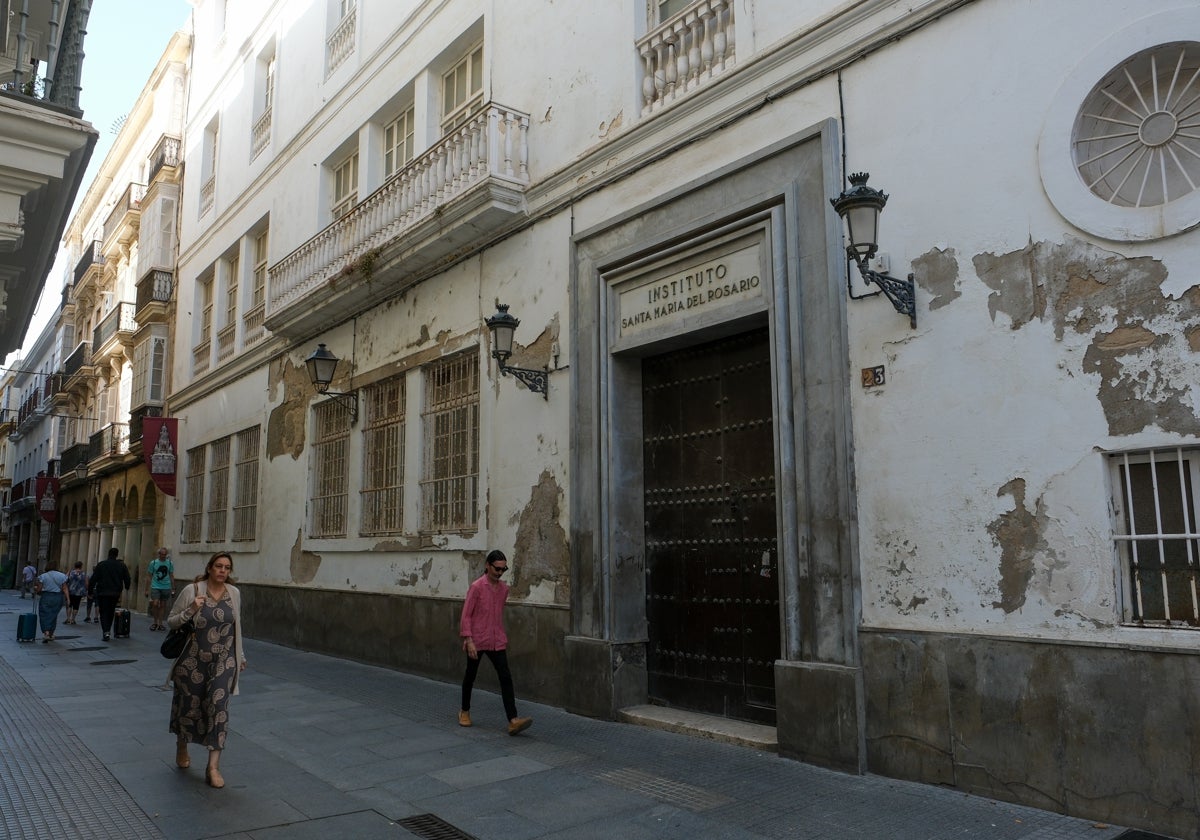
point(321, 366)
point(503, 326)
point(860, 207)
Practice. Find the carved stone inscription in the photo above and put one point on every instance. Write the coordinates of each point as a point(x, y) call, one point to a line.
point(685, 292)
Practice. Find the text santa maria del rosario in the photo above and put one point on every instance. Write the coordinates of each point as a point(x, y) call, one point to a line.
point(708, 285)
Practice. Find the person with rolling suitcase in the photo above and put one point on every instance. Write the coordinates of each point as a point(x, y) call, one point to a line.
point(110, 580)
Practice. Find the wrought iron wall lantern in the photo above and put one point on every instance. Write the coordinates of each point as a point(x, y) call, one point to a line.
point(860, 206)
point(83, 473)
point(503, 326)
point(321, 366)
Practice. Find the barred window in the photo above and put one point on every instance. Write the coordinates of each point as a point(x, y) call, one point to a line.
point(331, 440)
point(193, 512)
point(1154, 495)
point(245, 499)
point(383, 458)
point(218, 489)
point(450, 486)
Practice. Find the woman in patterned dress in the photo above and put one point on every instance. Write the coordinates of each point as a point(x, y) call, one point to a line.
point(205, 675)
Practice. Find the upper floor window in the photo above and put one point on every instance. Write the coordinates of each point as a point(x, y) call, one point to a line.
point(462, 90)
point(259, 296)
point(345, 186)
point(208, 166)
point(264, 82)
point(1158, 538)
point(339, 45)
point(398, 143)
point(231, 289)
point(667, 9)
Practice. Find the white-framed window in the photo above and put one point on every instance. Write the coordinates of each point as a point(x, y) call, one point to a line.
point(149, 365)
point(462, 90)
point(450, 439)
point(382, 495)
point(331, 467)
point(193, 503)
point(208, 165)
point(261, 241)
point(1157, 535)
point(345, 186)
point(398, 143)
point(663, 10)
point(264, 101)
point(268, 95)
point(231, 289)
point(205, 284)
point(218, 489)
point(245, 498)
point(343, 33)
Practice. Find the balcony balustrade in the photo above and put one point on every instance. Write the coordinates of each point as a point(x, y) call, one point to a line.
point(469, 185)
point(260, 134)
point(135, 422)
point(93, 255)
point(125, 214)
point(208, 194)
point(154, 287)
point(164, 154)
point(225, 342)
point(253, 324)
point(686, 52)
point(80, 357)
point(120, 320)
point(201, 357)
point(72, 457)
point(340, 44)
point(109, 442)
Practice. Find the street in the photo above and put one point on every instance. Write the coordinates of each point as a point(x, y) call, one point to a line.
point(327, 748)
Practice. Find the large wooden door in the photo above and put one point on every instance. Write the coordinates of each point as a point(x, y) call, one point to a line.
point(712, 594)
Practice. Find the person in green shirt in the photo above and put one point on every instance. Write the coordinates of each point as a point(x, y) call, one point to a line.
point(160, 587)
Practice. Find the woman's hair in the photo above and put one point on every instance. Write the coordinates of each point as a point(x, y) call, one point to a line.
point(78, 564)
point(496, 556)
point(208, 566)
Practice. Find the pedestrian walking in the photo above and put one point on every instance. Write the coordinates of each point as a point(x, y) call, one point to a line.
point(482, 630)
point(205, 675)
point(109, 581)
point(52, 587)
point(77, 582)
point(91, 603)
point(27, 575)
point(160, 587)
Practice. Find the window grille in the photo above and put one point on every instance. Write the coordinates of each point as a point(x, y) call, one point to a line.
point(1159, 539)
point(398, 143)
point(449, 490)
point(245, 500)
point(383, 458)
point(345, 186)
point(331, 440)
point(218, 489)
point(193, 513)
point(462, 90)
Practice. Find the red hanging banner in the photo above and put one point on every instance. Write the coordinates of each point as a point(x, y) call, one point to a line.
point(47, 497)
point(160, 437)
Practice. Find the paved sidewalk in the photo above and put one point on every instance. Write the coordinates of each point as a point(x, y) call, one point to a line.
point(326, 748)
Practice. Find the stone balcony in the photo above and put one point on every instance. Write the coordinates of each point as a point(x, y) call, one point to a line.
point(122, 222)
point(686, 52)
point(114, 334)
point(464, 191)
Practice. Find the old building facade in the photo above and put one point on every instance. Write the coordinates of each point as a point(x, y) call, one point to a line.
point(959, 547)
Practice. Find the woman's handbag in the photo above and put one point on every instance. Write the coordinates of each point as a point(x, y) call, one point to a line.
point(177, 640)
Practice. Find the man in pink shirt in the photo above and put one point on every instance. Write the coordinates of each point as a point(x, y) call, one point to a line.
point(482, 631)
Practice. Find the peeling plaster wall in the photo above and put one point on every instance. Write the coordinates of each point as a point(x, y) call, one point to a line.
point(983, 492)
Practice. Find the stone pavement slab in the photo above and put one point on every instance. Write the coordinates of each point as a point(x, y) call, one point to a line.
point(328, 748)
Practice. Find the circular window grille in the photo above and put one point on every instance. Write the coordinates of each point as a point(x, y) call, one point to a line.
point(1136, 141)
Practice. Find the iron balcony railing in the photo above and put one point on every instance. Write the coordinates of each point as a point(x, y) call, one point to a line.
point(155, 286)
point(113, 439)
point(129, 202)
point(165, 153)
point(72, 457)
point(80, 356)
point(120, 319)
point(92, 255)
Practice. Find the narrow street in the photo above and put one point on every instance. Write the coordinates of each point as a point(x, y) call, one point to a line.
point(327, 748)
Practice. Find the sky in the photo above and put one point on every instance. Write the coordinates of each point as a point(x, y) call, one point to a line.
point(125, 39)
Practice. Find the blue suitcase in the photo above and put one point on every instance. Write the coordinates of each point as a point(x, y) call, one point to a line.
point(26, 627)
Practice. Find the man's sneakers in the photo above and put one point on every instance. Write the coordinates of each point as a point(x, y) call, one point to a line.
point(518, 725)
point(106, 637)
point(464, 718)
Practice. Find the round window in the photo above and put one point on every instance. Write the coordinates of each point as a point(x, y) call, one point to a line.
point(1137, 136)
point(1119, 153)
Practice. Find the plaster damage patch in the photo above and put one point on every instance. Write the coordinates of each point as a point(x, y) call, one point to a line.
point(540, 549)
point(304, 564)
point(1140, 342)
point(1020, 534)
point(286, 424)
point(937, 272)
